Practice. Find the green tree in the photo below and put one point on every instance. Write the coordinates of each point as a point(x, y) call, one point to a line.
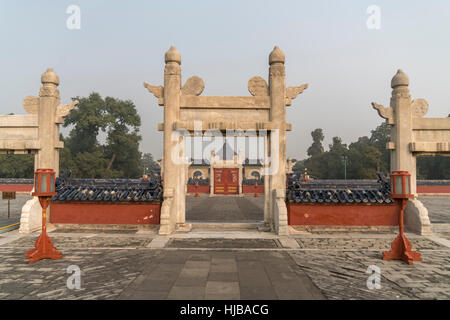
point(16, 166)
point(149, 165)
point(363, 159)
point(119, 156)
point(316, 148)
point(122, 148)
point(379, 139)
point(87, 119)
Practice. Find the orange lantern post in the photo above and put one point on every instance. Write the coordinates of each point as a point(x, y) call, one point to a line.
point(196, 189)
point(401, 247)
point(44, 186)
point(256, 189)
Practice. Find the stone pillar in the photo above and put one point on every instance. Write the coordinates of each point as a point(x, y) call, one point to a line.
point(416, 215)
point(401, 131)
point(277, 91)
point(211, 179)
point(48, 155)
point(172, 92)
point(267, 197)
point(49, 113)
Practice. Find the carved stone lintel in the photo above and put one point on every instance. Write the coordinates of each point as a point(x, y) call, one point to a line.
point(64, 109)
point(385, 113)
point(419, 107)
point(157, 91)
point(31, 104)
point(194, 86)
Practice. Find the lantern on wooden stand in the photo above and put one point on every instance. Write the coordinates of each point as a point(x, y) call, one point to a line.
point(44, 188)
point(256, 189)
point(401, 247)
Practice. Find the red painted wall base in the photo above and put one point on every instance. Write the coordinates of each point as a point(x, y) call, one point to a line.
point(343, 214)
point(105, 213)
point(433, 189)
point(251, 189)
point(16, 187)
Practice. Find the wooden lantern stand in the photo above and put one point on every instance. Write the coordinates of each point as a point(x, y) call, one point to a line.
point(401, 247)
point(43, 247)
point(196, 189)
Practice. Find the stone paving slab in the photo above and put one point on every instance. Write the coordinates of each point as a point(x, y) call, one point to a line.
point(438, 208)
point(223, 243)
point(124, 266)
point(224, 275)
point(224, 208)
point(342, 275)
point(104, 273)
point(84, 241)
point(378, 243)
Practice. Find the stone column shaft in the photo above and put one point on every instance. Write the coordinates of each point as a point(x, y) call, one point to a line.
point(277, 92)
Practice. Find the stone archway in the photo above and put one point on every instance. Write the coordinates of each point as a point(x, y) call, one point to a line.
point(36, 133)
point(186, 112)
point(413, 135)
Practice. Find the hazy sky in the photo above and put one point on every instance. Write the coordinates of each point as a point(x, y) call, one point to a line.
point(327, 44)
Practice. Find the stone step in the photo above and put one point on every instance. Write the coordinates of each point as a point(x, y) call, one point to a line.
point(440, 227)
point(229, 226)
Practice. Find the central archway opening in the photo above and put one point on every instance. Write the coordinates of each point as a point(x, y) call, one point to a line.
point(225, 179)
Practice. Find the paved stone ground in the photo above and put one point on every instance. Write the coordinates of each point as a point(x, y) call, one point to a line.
point(125, 266)
point(222, 275)
point(438, 208)
point(225, 208)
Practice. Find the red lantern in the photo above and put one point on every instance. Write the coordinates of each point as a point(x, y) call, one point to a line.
point(401, 185)
point(401, 247)
point(44, 186)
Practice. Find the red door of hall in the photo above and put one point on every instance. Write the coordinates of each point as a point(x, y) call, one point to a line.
point(226, 181)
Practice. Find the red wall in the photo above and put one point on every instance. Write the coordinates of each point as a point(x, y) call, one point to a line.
point(201, 189)
point(343, 214)
point(433, 189)
point(251, 189)
point(16, 187)
point(105, 213)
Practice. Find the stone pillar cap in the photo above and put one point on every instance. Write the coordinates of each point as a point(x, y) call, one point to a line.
point(400, 79)
point(276, 55)
point(172, 55)
point(50, 76)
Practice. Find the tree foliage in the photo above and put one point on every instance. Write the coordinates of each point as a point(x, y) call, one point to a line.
point(85, 156)
point(365, 157)
point(16, 166)
point(317, 147)
point(149, 165)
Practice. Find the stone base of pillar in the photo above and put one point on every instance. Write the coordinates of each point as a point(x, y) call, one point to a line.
point(165, 230)
point(183, 227)
point(265, 228)
point(31, 217)
point(166, 225)
point(416, 218)
point(280, 214)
